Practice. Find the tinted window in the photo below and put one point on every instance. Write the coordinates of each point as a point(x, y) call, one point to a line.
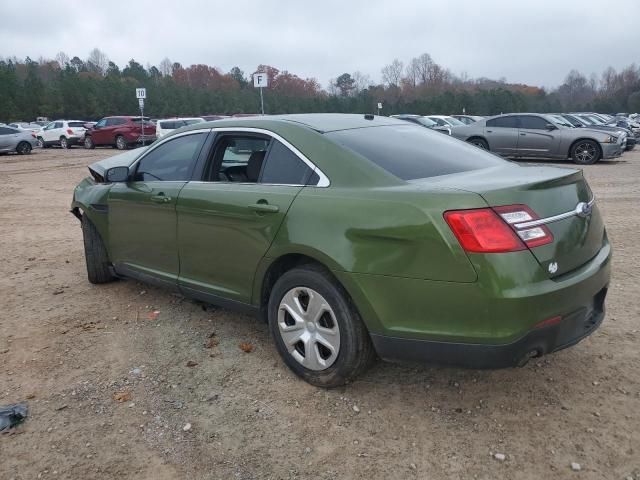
point(410, 152)
point(168, 125)
point(101, 123)
point(58, 125)
point(7, 131)
point(233, 156)
point(284, 167)
point(76, 124)
point(533, 122)
point(503, 122)
point(172, 160)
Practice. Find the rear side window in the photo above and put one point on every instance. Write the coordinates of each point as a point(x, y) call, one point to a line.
point(7, 131)
point(503, 122)
point(76, 124)
point(171, 161)
point(168, 125)
point(284, 167)
point(410, 152)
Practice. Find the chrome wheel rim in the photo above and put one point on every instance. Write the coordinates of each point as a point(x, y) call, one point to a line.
point(309, 328)
point(585, 152)
point(41, 143)
point(120, 143)
point(478, 144)
point(87, 142)
point(63, 142)
point(23, 148)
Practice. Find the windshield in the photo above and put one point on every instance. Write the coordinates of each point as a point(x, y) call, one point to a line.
point(559, 120)
point(454, 122)
point(411, 152)
point(595, 119)
point(427, 122)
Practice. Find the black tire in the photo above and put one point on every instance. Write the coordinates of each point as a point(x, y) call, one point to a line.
point(479, 142)
point(585, 152)
point(88, 143)
point(121, 143)
point(356, 352)
point(23, 148)
point(41, 143)
point(95, 254)
point(64, 143)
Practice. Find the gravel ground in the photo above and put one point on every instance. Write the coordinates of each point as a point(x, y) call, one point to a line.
point(116, 391)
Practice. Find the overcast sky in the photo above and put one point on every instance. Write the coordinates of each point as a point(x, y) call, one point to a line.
point(534, 42)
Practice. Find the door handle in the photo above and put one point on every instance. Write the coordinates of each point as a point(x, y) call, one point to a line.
point(264, 207)
point(160, 198)
point(523, 134)
point(489, 131)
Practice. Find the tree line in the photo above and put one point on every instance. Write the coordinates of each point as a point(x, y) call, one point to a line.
point(71, 87)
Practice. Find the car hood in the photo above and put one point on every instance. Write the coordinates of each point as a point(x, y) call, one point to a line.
point(122, 160)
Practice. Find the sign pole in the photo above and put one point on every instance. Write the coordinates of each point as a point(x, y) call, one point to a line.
point(141, 94)
point(261, 100)
point(142, 120)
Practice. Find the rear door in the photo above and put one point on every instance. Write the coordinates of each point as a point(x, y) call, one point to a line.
point(228, 219)
point(502, 135)
point(535, 138)
point(142, 212)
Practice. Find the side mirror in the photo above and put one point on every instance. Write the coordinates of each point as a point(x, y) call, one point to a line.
point(551, 127)
point(117, 174)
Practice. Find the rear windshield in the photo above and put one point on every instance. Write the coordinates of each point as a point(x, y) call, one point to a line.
point(76, 124)
point(410, 152)
point(146, 120)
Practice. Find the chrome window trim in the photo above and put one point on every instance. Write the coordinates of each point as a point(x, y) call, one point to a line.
point(578, 211)
point(323, 180)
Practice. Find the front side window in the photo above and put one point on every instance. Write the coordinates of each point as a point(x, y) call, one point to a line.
point(503, 122)
point(172, 160)
point(101, 123)
point(7, 131)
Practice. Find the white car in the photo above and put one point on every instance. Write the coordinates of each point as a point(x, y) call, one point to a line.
point(166, 125)
point(446, 121)
point(62, 132)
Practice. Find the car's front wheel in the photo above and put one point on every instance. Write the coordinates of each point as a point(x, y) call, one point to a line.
point(585, 152)
point(23, 148)
point(95, 254)
point(317, 329)
point(121, 143)
point(88, 143)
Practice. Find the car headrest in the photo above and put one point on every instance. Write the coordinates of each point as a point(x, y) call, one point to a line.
point(255, 165)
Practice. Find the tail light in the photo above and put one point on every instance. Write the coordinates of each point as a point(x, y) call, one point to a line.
point(69, 131)
point(33, 135)
point(493, 230)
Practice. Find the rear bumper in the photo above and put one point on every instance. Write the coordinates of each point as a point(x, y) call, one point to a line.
point(570, 330)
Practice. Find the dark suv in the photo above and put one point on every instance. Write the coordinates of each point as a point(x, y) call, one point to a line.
point(121, 132)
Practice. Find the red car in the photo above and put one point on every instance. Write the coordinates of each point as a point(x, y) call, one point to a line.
point(121, 132)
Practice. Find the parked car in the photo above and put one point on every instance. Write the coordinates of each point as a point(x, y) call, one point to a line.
point(15, 140)
point(369, 235)
point(26, 126)
point(445, 121)
point(166, 125)
point(65, 133)
point(578, 122)
point(537, 135)
point(468, 119)
point(423, 121)
point(120, 132)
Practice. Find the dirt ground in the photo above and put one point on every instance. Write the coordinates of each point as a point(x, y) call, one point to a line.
point(68, 347)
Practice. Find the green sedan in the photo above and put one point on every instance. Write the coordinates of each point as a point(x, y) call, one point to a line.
point(355, 236)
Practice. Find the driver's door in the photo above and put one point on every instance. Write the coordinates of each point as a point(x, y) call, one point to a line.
point(142, 211)
point(536, 137)
point(98, 132)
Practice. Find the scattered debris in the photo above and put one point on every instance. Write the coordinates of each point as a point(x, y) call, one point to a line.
point(212, 341)
point(136, 371)
point(501, 457)
point(12, 415)
point(122, 397)
point(246, 347)
point(187, 427)
point(191, 363)
point(576, 467)
point(356, 409)
point(153, 315)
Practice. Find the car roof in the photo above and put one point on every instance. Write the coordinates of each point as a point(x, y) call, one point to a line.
point(320, 122)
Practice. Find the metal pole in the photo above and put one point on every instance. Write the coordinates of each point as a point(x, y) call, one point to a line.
point(142, 122)
point(261, 101)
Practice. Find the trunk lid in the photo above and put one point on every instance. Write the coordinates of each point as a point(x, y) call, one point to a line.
point(548, 191)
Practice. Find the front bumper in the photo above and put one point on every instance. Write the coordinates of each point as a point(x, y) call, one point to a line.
point(612, 150)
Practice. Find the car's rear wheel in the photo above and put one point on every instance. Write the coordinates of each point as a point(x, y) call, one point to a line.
point(64, 143)
point(95, 254)
point(121, 143)
point(479, 142)
point(317, 329)
point(88, 143)
point(41, 143)
point(23, 148)
point(585, 152)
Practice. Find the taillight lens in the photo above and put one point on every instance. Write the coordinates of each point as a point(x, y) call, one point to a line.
point(532, 236)
point(493, 230)
point(69, 131)
point(483, 231)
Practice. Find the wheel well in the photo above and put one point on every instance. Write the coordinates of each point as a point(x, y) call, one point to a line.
point(477, 137)
point(583, 139)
